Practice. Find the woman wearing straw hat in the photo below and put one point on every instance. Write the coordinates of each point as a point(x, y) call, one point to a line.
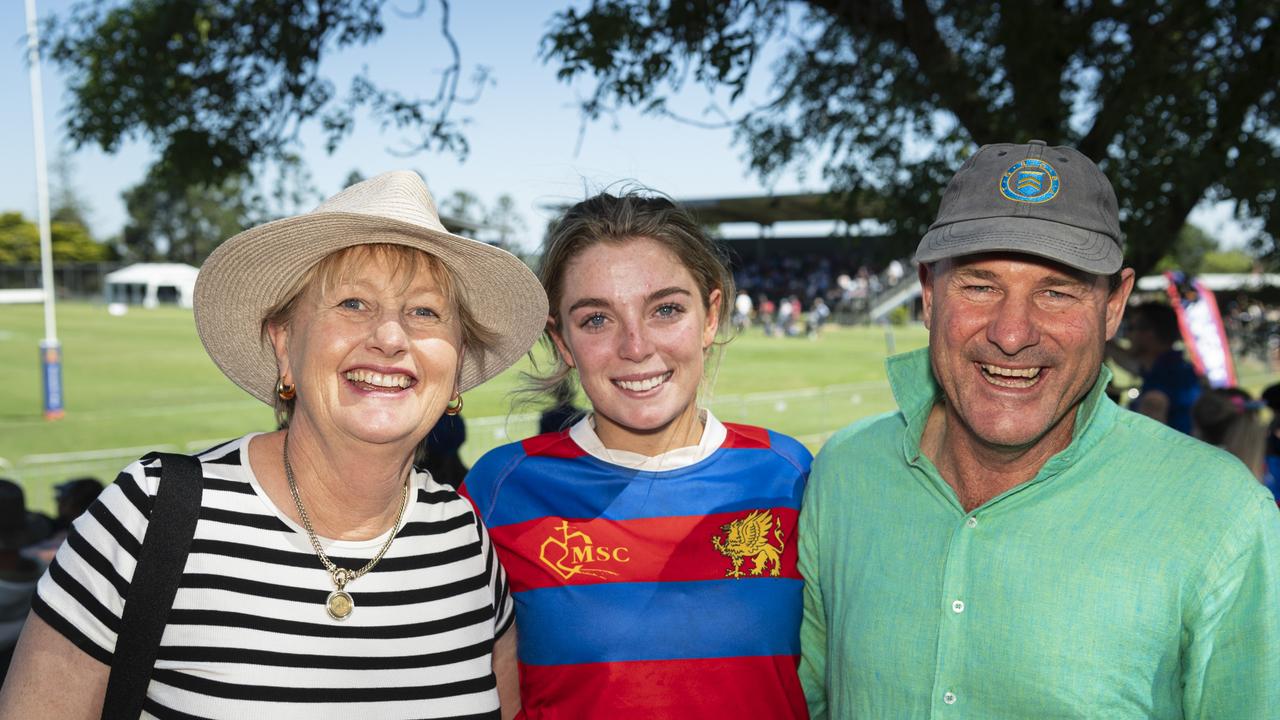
point(327, 577)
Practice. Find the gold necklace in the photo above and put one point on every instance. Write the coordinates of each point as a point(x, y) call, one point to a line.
point(339, 604)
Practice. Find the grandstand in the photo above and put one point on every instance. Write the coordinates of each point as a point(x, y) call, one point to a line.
point(817, 257)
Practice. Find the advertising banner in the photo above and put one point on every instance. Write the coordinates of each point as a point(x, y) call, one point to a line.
point(1202, 330)
point(51, 371)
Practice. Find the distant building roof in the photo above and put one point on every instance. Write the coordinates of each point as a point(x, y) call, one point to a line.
point(153, 273)
point(764, 209)
point(769, 209)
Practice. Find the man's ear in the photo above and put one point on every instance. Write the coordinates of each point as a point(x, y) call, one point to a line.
point(1118, 299)
point(926, 292)
point(562, 347)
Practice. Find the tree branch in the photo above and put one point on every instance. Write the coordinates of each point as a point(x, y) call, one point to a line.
point(1254, 76)
point(1150, 47)
point(953, 82)
point(1037, 78)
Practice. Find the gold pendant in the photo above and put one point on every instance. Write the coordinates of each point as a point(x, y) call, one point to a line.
point(339, 605)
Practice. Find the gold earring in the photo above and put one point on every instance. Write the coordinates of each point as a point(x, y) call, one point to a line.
point(285, 392)
point(455, 405)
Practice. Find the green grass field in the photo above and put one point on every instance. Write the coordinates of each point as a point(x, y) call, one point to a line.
point(142, 382)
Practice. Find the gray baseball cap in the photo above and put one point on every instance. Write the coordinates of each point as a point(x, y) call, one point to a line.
point(1052, 202)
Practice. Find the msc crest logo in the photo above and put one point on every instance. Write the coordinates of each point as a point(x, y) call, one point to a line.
point(748, 537)
point(1030, 181)
point(573, 553)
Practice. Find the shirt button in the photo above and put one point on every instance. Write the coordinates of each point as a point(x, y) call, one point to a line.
point(958, 606)
point(972, 522)
point(949, 698)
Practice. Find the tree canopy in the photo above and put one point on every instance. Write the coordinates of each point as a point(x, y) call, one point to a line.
point(185, 223)
point(1195, 252)
point(221, 87)
point(500, 223)
point(1175, 100)
point(69, 241)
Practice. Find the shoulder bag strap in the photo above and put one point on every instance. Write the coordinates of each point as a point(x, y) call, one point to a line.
point(174, 512)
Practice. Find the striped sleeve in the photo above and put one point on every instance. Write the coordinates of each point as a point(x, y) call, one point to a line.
point(503, 605)
point(481, 488)
point(82, 595)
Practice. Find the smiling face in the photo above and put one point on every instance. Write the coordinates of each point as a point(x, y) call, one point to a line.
point(1016, 343)
point(635, 324)
point(374, 351)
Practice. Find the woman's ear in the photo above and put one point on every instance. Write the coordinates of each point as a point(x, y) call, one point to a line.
point(713, 318)
point(462, 358)
point(562, 347)
point(279, 336)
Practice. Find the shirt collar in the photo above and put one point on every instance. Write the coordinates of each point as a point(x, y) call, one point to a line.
point(583, 433)
point(916, 389)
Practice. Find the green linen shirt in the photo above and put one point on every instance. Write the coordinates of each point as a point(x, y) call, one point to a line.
point(1136, 576)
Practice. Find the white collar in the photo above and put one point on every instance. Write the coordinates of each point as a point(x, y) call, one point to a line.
point(583, 433)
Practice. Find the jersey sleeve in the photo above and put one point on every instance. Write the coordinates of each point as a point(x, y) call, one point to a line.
point(482, 487)
point(479, 485)
point(794, 452)
point(82, 594)
point(484, 480)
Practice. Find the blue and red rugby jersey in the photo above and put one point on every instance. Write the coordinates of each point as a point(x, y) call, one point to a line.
point(638, 594)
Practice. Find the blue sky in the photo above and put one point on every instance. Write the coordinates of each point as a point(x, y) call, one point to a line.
point(524, 131)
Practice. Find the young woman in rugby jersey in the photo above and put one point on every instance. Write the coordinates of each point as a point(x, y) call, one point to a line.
point(650, 547)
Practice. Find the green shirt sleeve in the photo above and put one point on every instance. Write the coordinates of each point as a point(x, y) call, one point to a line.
point(1231, 665)
point(813, 626)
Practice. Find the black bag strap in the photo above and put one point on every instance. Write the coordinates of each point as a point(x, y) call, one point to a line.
point(174, 512)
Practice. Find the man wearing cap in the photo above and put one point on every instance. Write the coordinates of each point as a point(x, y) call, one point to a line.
point(995, 548)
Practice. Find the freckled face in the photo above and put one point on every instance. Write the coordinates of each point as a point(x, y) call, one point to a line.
point(635, 325)
point(372, 359)
point(1016, 343)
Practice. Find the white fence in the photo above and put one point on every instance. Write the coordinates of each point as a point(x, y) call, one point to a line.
point(22, 296)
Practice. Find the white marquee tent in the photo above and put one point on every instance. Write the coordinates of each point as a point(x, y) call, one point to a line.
point(150, 284)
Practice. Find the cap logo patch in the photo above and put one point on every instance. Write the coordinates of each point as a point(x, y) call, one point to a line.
point(1030, 181)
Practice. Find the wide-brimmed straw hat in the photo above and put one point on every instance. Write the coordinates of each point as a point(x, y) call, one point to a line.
point(249, 274)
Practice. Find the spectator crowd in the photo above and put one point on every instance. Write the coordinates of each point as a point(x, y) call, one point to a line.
point(28, 541)
point(797, 294)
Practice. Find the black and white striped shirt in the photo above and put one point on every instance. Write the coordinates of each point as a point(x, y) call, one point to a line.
point(248, 635)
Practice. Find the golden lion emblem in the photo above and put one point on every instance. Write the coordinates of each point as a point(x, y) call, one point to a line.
point(748, 537)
